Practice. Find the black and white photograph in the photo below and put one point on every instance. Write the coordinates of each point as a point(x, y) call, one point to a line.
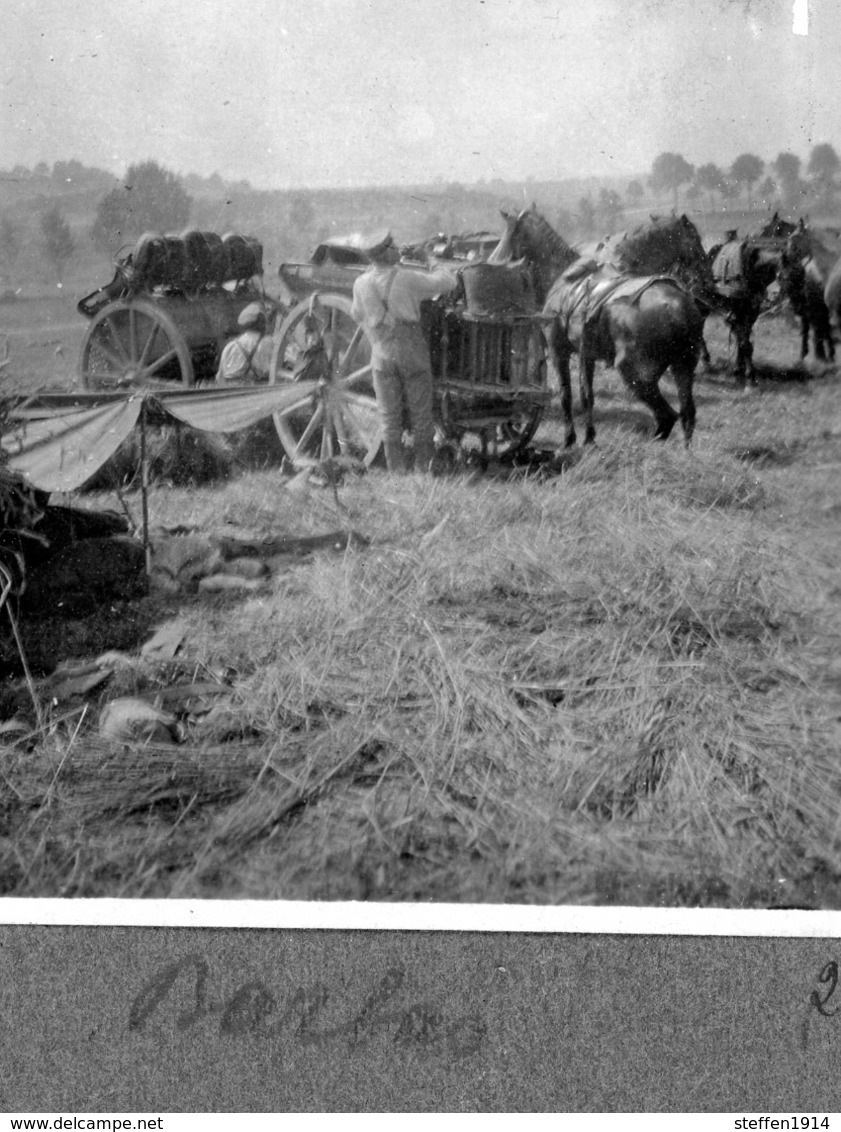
point(420, 438)
point(420, 453)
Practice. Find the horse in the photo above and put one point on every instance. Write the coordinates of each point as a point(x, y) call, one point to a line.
point(670, 245)
point(805, 273)
point(642, 325)
point(832, 291)
point(743, 271)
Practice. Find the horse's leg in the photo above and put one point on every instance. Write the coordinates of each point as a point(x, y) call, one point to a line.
point(642, 380)
point(823, 332)
point(684, 375)
point(559, 351)
point(706, 360)
point(744, 353)
point(804, 336)
point(586, 372)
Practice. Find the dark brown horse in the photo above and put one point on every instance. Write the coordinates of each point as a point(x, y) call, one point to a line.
point(670, 245)
point(641, 325)
point(743, 272)
point(805, 271)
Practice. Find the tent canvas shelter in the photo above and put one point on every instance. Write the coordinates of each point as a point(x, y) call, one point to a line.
point(57, 442)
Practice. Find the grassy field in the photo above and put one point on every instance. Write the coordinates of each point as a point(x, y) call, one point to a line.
point(619, 684)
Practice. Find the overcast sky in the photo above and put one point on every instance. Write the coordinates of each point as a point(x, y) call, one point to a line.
point(354, 92)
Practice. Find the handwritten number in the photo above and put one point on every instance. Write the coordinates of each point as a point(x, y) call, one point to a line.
point(159, 987)
point(828, 975)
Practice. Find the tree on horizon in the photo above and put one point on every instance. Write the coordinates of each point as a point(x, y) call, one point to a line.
point(151, 199)
point(710, 178)
point(634, 193)
point(56, 239)
point(786, 168)
point(823, 168)
point(768, 190)
point(668, 173)
point(10, 243)
point(746, 170)
point(609, 209)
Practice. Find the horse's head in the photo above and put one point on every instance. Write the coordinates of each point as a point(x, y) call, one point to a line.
point(799, 242)
point(530, 237)
point(777, 229)
point(508, 248)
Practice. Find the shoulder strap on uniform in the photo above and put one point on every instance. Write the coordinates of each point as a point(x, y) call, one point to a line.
point(249, 358)
point(384, 296)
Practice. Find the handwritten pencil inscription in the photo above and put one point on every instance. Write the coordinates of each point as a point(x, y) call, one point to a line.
point(253, 1010)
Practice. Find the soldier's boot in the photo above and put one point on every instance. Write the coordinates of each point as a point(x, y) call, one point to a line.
point(394, 458)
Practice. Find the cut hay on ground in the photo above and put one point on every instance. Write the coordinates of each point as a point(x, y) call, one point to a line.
point(612, 685)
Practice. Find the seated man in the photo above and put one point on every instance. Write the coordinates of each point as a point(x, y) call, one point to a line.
point(248, 357)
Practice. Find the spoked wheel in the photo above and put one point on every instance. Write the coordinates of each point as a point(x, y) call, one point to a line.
point(340, 418)
point(514, 434)
point(132, 344)
point(472, 431)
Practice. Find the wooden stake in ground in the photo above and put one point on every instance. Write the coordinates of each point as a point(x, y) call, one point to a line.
point(144, 489)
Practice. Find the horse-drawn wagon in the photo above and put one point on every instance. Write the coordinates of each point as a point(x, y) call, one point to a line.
point(166, 314)
point(485, 342)
point(173, 302)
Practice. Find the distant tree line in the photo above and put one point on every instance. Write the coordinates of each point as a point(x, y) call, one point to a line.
point(786, 183)
point(152, 198)
point(781, 181)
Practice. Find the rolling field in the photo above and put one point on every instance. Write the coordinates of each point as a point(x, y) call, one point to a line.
point(616, 684)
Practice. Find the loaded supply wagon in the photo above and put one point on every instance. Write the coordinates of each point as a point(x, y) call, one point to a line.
point(168, 311)
point(174, 301)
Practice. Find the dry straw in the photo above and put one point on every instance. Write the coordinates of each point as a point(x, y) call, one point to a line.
point(600, 687)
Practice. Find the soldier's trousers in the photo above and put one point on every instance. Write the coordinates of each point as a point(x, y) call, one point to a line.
point(403, 385)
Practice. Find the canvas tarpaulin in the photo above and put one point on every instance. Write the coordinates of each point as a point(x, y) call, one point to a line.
point(59, 448)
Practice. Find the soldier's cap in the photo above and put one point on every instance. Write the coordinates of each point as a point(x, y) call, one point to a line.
point(250, 315)
point(376, 242)
point(731, 234)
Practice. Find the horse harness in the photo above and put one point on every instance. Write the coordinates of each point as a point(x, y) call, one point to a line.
point(583, 302)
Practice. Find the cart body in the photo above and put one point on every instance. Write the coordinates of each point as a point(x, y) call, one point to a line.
point(489, 366)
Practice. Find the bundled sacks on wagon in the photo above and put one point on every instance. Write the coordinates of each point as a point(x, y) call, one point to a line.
point(193, 260)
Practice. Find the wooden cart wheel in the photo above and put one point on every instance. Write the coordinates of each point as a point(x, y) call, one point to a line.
point(514, 434)
point(340, 418)
point(132, 344)
point(499, 439)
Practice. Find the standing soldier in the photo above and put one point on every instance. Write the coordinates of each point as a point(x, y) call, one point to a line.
point(386, 303)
